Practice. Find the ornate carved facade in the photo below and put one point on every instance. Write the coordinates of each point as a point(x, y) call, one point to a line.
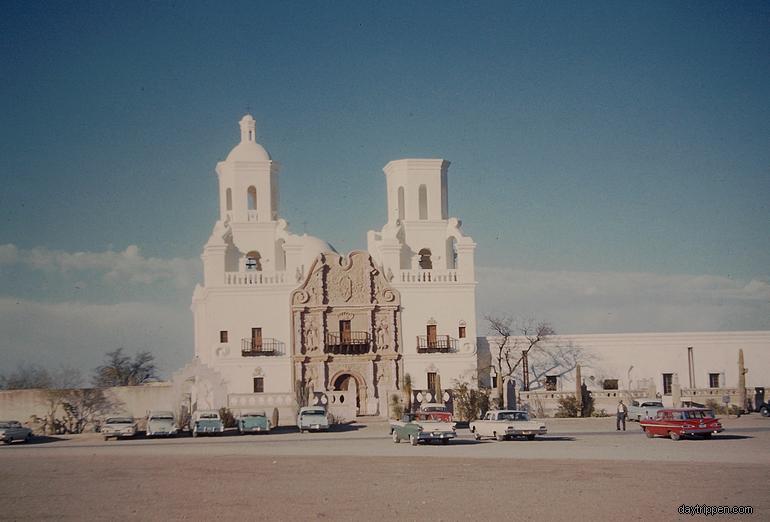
point(346, 324)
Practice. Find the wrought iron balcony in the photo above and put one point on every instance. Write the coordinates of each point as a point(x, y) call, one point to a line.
point(437, 344)
point(257, 347)
point(348, 343)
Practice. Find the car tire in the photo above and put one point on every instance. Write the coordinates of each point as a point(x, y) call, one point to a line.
point(28, 438)
point(396, 438)
point(499, 437)
point(764, 411)
point(707, 435)
point(106, 438)
point(413, 440)
point(530, 437)
point(649, 434)
point(674, 435)
point(195, 434)
point(476, 435)
point(445, 441)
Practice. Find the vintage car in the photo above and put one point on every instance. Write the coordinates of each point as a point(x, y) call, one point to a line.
point(437, 411)
point(422, 428)
point(679, 422)
point(764, 409)
point(253, 422)
point(643, 409)
point(161, 423)
point(207, 422)
point(118, 427)
point(13, 430)
point(506, 424)
point(312, 418)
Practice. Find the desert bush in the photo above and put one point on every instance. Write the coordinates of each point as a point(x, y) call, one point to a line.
point(470, 403)
point(396, 408)
point(568, 407)
point(227, 418)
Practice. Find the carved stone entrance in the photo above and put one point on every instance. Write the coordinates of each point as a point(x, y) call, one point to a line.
point(346, 330)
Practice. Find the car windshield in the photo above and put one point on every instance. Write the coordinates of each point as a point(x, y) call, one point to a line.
point(514, 416)
point(698, 414)
point(162, 417)
point(653, 404)
point(254, 415)
point(314, 412)
point(433, 408)
point(209, 416)
point(120, 420)
point(5, 425)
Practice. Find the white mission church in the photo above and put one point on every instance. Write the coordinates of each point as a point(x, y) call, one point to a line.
point(279, 312)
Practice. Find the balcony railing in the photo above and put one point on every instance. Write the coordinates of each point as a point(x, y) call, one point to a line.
point(437, 344)
point(429, 276)
point(255, 278)
point(348, 343)
point(259, 347)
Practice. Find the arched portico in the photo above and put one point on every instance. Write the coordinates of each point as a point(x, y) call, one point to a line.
point(348, 380)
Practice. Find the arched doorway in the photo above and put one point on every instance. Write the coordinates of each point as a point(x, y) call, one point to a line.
point(349, 382)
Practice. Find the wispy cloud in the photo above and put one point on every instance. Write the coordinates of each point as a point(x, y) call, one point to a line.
point(610, 302)
point(128, 265)
point(79, 334)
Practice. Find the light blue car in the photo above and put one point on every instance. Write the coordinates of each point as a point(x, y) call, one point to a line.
point(253, 422)
point(207, 422)
point(312, 418)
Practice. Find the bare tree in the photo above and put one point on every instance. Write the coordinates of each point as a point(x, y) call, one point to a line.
point(121, 370)
point(556, 361)
point(60, 386)
point(82, 406)
point(513, 344)
point(26, 377)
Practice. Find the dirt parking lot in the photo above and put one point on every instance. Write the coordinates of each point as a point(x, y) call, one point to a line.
point(584, 468)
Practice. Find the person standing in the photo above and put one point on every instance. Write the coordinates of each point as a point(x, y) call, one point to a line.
point(621, 415)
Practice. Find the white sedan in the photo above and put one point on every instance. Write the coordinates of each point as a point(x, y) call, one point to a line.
point(13, 430)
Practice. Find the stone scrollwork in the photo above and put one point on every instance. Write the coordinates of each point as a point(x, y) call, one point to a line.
point(301, 297)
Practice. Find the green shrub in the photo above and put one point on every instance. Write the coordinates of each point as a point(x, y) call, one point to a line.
point(568, 407)
point(227, 418)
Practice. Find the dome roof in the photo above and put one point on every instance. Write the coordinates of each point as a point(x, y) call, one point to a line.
point(248, 149)
point(311, 247)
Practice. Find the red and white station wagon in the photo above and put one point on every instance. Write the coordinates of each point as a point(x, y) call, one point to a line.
point(678, 422)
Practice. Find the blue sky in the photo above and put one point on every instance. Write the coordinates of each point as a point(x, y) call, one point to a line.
point(611, 161)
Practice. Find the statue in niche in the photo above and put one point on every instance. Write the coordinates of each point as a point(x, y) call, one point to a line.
point(298, 275)
point(383, 335)
point(311, 337)
point(383, 375)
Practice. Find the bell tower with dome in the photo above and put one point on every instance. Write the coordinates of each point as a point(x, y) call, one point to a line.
point(251, 264)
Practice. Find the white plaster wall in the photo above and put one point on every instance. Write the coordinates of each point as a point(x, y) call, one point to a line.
point(652, 354)
point(448, 305)
point(238, 310)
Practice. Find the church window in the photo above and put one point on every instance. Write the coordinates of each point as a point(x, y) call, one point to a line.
point(461, 332)
point(229, 199)
point(610, 384)
point(551, 382)
point(713, 380)
point(422, 194)
point(223, 336)
point(253, 261)
point(401, 203)
point(252, 197)
point(425, 262)
point(432, 381)
point(668, 381)
point(259, 384)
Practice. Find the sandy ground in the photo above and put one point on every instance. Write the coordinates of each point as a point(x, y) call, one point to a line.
point(583, 469)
